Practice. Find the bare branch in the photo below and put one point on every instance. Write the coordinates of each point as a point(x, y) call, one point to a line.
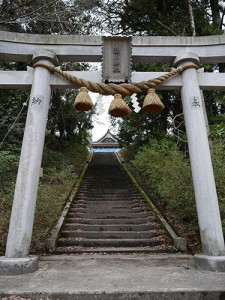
point(28, 14)
point(169, 29)
point(57, 17)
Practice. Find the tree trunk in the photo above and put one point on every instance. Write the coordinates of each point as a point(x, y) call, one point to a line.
point(192, 20)
point(215, 14)
point(216, 20)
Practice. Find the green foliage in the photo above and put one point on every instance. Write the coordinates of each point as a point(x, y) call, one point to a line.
point(39, 17)
point(8, 170)
point(138, 128)
point(13, 111)
point(217, 127)
point(67, 123)
point(60, 171)
point(156, 17)
point(218, 158)
point(62, 162)
point(164, 18)
point(167, 173)
point(6, 198)
point(217, 142)
point(63, 120)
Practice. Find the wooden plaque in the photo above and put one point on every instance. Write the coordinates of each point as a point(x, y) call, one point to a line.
point(116, 59)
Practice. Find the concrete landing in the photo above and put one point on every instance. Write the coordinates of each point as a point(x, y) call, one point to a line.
point(109, 277)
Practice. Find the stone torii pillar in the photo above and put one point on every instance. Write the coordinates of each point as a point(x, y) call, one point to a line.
point(213, 257)
point(17, 259)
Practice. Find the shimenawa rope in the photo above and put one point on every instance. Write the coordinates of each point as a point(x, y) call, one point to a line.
point(125, 89)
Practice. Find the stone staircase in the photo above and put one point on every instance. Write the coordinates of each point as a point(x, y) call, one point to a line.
point(108, 215)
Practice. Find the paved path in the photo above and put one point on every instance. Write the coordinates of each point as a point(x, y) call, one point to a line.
point(95, 276)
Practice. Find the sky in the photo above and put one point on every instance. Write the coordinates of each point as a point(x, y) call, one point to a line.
point(101, 120)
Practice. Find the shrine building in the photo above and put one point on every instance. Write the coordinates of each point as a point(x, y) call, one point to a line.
point(107, 143)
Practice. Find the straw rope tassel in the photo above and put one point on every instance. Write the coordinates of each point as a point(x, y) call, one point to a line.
point(118, 107)
point(152, 102)
point(83, 101)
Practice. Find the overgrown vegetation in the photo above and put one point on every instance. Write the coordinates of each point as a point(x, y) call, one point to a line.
point(164, 171)
point(62, 162)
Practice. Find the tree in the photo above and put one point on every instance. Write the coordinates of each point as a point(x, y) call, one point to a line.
point(169, 17)
point(49, 16)
point(65, 122)
point(156, 17)
point(45, 17)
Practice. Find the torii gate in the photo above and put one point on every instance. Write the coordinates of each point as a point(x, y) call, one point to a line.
point(54, 49)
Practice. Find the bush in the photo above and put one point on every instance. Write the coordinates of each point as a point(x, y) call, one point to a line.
point(165, 173)
point(168, 174)
point(8, 168)
point(218, 159)
point(61, 167)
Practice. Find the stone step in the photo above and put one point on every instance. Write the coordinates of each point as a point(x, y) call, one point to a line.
point(101, 185)
point(79, 206)
point(116, 196)
point(126, 190)
point(109, 242)
point(119, 227)
point(93, 190)
point(136, 203)
point(109, 181)
point(108, 178)
point(91, 207)
point(132, 221)
point(111, 234)
point(97, 193)
point(101, 191)
point(109, 201)
point(115, 250)
point(106, 188)
point(110, 215)
point(112, 203)
point(104, 199)
point(106, 210)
